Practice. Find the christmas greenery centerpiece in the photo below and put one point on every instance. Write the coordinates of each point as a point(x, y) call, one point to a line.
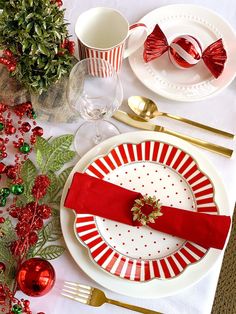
point(35, 42)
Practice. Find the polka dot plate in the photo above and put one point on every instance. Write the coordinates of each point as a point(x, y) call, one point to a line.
point(141, 253)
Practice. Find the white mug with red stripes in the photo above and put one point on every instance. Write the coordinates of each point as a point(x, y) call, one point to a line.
point(102, 33)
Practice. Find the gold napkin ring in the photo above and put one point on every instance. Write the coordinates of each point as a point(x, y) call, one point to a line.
point(140, 216)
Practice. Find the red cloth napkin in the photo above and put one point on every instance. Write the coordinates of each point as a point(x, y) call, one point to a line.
point(89, 195)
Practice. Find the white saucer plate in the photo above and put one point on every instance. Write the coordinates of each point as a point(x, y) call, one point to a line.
point(195, 83)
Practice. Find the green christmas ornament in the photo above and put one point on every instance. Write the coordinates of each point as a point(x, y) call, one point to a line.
point(3, 201)
point(17, 189)
point(25, 148)
point(1, 126)
point(5, 192)
point(17, 309)
point(33, 113)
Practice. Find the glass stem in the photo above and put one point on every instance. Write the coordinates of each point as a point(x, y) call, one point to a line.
point(98, 136)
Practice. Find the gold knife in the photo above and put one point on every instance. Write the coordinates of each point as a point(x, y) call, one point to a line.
point(130, 120)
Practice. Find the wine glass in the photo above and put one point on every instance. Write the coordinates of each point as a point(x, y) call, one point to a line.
point(94, 91)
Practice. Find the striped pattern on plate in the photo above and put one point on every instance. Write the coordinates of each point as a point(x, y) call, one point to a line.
point(175, 177)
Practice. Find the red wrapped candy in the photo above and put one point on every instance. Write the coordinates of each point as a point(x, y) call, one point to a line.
point(185, 51)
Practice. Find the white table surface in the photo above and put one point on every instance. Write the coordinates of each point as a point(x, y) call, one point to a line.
point(219, 111)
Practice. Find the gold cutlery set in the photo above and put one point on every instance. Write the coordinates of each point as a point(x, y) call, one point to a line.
point(145, 109)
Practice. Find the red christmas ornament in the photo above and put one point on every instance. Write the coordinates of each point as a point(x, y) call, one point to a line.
point(3, 107)
point(38, 131)
point(2, 294)
point(2, 167)
point(185, 51)
point(32, 139)
point(3, 155)
point(36, 277)
point(25, 127)
point(10, 130)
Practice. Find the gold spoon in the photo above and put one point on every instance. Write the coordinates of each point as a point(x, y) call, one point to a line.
point(146, 109)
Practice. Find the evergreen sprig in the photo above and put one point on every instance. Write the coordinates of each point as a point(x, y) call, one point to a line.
point(34, 30)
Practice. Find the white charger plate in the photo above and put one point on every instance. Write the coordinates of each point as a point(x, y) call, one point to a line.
point(154, 288)
point(195, 83)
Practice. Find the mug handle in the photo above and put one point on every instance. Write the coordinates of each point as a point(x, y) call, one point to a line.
point(128, 51)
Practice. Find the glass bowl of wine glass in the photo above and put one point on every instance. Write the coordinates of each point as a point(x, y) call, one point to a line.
point(94, 91)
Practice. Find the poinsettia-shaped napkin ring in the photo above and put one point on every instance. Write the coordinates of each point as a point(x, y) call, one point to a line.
point(146, 209)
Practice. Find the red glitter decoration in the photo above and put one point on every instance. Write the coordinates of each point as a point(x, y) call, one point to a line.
point(40, 187)
point(11, 171)
point(44, 211)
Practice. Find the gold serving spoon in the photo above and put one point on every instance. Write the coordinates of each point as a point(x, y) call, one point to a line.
point(146, 109)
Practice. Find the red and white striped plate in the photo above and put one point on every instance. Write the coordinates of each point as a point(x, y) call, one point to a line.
point(141, 254)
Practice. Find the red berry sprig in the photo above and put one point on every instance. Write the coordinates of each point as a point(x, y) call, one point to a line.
point(58, 2)
point(30, 218)
point(8, 60)
point(69, 45)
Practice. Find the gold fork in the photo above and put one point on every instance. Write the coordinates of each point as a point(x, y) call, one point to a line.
point(96, 297)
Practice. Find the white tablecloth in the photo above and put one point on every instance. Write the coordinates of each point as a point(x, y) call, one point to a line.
point(219, 111)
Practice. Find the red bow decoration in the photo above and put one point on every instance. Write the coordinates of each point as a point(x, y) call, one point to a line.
point(89, 195)
point(214, 56)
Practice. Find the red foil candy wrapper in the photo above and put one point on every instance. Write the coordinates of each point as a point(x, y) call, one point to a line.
point(185, 51)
